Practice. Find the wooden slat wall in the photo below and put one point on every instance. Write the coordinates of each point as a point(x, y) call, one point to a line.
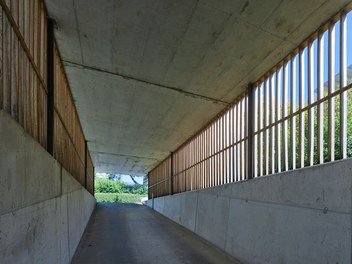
point(90, 170)
point(159, 179)
point(289, 107)
point(69, 141)
point(215, 156)
point(23, 91)
point(23, 72)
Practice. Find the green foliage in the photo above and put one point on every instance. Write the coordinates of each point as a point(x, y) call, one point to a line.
point(326, 132)
point(112, 190)
point(108, 186)
point(136, 189)
point(118, 197)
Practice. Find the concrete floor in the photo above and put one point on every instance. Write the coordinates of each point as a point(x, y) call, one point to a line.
point(131, 233)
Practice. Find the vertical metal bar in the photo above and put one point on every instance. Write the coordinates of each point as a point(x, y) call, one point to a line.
point(251, 108)
point(213, 153)
point(301, 105)
point(225, 151)
point(272, 120)
point(201, 167)
point(207, 169)
point(255, 129)
point(222, 150)
point(234, 157)
point(279, 73)
point(94, 181)
point(310, 101)
point(85, 164)
point(293, 110)
point(208, 159)
point(217, 153)
point(245, 135)
point(200, 142)
point(230, 143)
point(260, 122)
point(343, 83)
point(331, 102)
point(186, 186)
point(266, 123)
point(284, 114)
point(50, 87)
point(196, 169)
point(172, 173)
point(149, 184)
point(320, 121)
point(205, 149)
point(240, 128)
point(203, 160)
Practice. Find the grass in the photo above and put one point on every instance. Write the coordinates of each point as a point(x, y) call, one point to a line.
point(119, 197)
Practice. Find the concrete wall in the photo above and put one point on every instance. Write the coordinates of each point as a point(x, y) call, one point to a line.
point(301, 216)
point(43, 209)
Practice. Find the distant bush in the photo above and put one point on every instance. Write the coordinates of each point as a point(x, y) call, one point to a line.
point(108, 186)
point(118, 186)
point(136, 189)
point(118, 197)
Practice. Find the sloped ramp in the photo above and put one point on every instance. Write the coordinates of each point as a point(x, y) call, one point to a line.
point(132, 233)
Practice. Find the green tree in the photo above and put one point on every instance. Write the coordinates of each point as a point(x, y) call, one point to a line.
point(109, 186)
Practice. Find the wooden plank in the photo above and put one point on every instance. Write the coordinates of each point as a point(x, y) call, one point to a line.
point(218, 175)
point(293, 110)
point(311, 88)
point(261, 126)
point(320, 121)
point(278, 98)
point(21, 86)
point(284, 114)
point(255, 129)
point(343, 83)
point(231, 124)
point(241, 150)
point(2, 38)
point(225, 133)
point(31, 29)
point(245, 141)
point(213, 152)
point(223, 176)
point(301, 105)
point(13, 63)
point(272, 93)
point(14, 75)
point(238, 145)
point(266, 123)
point(6, 65)
point(35, 32)
point(331, 102)
point(234, 155)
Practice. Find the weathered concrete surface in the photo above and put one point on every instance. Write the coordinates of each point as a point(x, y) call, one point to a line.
point(301, 216)
point(134, 234)
point(146, 75)
point(43, 209)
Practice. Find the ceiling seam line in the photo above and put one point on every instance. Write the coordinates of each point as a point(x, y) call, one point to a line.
point(190, 94)
point(121, 155)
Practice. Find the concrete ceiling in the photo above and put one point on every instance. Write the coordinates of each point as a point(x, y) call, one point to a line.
point(147, 74)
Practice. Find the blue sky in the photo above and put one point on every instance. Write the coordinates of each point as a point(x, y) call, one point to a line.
point(315, 61)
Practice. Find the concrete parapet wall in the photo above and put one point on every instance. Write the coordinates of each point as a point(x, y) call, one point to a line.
point(301, 216)
point(43, 209)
